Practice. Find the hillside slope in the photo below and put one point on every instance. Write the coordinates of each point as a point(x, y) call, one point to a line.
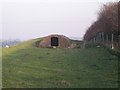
point(28, 66)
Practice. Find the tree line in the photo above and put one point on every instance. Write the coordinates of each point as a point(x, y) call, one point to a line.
point(106, 29)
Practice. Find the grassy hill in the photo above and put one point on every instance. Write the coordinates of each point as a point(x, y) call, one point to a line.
point(28, 66)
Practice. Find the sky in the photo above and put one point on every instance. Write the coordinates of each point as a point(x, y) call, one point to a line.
point(30, 19)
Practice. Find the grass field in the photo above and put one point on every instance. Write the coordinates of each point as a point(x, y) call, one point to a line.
point(26, 66)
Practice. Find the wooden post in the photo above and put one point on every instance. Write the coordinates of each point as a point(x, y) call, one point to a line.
point(103, 36)
point(112, 41)
point(112, 37)
point(100, 36)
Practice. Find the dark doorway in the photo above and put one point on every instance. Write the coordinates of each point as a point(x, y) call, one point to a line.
point(54, 41)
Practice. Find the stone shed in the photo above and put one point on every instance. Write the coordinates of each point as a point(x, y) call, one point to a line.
point(55, 41)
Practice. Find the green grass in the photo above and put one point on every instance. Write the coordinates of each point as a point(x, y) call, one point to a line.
point(26, 66)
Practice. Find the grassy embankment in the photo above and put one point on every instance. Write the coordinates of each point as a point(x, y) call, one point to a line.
point(27, 66)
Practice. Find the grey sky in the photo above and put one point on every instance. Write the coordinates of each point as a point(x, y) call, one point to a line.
point(33, 19)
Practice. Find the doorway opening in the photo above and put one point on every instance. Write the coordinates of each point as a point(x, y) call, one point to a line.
point(54, 41)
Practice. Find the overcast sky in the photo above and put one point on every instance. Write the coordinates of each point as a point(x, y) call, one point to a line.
point(30, 19)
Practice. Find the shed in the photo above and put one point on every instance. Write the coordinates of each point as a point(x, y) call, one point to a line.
point(55, 41)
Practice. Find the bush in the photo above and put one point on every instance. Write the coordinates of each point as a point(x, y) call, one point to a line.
point(114, 52)
point(91, 44)
point(37, 43)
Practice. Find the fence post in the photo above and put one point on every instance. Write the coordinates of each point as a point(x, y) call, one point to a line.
point(100, 36)
point(112, 41)
point(103, 37)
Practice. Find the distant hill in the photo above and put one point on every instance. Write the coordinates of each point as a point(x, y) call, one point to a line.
point(75, 38)
point(9, 42)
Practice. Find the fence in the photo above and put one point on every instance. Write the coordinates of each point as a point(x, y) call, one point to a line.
point(111, 40)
